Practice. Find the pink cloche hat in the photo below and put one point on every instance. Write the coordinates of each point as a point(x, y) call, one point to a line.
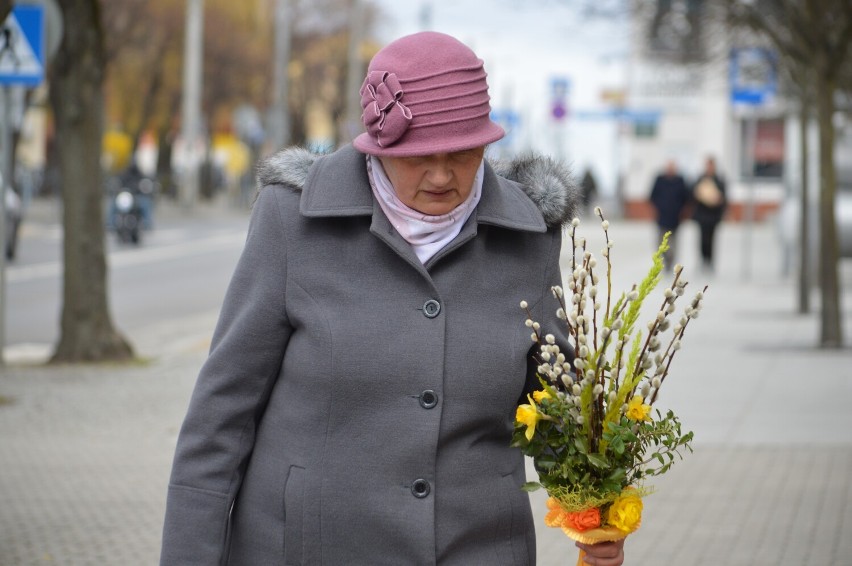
point(425, 93)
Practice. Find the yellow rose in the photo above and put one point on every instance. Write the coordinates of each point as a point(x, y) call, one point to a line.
point(625, 513)
point(541, 394)
point(637, 410)
point(528, 416)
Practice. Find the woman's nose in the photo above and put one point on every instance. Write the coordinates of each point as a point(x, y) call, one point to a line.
point(440, 172)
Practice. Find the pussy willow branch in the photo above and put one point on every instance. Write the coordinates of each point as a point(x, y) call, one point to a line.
point(596, 407)
point(597, 403)
point(594, 311)
point(608, 264)
point(573, 248)
point(653, 331)
point(671, 356)
point(619, 354)
point(576, 331)
point(599, 363)
point(573, 331)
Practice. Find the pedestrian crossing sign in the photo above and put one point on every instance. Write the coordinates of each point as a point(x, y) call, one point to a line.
point(22, 46)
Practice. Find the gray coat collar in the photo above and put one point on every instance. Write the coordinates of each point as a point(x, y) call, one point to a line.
point(530, 193)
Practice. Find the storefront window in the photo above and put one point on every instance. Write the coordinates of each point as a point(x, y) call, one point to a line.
point(763, 148)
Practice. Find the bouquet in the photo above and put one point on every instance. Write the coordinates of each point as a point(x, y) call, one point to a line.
point(590, 430)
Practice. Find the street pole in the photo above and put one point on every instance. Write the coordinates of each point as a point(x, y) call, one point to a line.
point(354, 72)
point(191, 104)
point(748, 212)
point(4, 180)
point(280, 118)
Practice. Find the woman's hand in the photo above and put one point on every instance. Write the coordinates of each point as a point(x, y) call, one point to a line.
point(604, 553)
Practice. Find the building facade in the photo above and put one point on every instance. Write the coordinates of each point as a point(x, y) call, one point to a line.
point(695, 91)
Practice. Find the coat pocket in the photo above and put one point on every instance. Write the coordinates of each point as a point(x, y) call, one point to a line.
point(515, 522)
point(294, 505)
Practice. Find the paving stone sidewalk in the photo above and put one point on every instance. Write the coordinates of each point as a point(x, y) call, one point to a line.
point(85, 450)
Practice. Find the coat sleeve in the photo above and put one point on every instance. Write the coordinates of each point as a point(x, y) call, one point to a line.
point(230, 395)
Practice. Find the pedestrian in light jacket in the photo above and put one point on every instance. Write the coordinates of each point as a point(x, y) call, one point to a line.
point(710, 200)
point(358, 402)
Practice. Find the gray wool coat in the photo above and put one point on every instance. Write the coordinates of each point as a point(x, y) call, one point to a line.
point(357, 405)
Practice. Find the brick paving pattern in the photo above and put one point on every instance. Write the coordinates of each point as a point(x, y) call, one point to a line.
point(85, 451)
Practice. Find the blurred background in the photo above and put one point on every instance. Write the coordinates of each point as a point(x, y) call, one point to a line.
point(129, 135)
point(183, 98)
point(173, 103)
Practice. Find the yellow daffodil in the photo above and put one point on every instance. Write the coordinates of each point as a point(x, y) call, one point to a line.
point(541, 394)
point(528, 416)
point(637, 410)
point(625, 513)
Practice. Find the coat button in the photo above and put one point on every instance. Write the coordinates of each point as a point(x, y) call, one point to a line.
point(428, 399)
point(420, 488)
point(431, 308)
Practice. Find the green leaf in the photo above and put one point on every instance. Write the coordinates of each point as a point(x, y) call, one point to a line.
point(531, 486)
point(618, 475)
point(598, 461)
point(617, 444)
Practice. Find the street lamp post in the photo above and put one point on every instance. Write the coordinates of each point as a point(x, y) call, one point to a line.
point(354, 72)
point(280, 119)
point(191, 104)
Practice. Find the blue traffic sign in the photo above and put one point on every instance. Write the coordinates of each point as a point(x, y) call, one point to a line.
point(22, 46)
point(753, 76)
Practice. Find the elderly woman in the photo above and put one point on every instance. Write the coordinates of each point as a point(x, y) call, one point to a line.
point(358, 401)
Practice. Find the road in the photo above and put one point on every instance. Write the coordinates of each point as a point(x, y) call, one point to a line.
point(180, 271)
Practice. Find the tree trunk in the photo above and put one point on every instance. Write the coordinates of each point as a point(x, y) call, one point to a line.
point(150, 97)
point(831, 334)
point(805, 262)
point(76, 94)
point(164, 163)
point(5, 9)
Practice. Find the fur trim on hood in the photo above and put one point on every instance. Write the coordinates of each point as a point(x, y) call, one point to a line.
point(548, 183)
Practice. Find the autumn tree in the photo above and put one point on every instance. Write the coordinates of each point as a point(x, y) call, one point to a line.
point(144, 45)
point(814, 40)
point(76, 95)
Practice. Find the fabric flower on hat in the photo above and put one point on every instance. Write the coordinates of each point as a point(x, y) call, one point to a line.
point(385, 116)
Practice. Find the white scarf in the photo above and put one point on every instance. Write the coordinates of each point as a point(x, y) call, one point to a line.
point(427, 234)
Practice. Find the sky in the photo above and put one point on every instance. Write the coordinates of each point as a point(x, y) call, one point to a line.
point(526, 46)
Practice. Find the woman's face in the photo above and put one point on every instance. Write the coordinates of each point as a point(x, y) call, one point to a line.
point(434, 184)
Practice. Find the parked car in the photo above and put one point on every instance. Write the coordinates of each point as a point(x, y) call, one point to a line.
point(14, 213)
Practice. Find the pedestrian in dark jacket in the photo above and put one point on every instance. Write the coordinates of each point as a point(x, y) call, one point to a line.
point(589, 187)
point(358, 403)
point(710, 201)
point(669, 196)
